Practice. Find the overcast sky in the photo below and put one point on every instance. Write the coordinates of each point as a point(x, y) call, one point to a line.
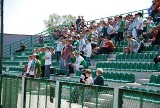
point(26, 16)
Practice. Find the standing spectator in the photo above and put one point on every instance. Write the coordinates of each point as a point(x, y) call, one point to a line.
point(75, 43)
point(47, 62)
point(62, 63)
point(82, 44)
point(34, 52)
point(66, 55)
point(78, 22)
point(37, 67)
point(99, 79)
point(121, 28)
point(29, 65)
point(135, 21)
point(133, 45)
point(88, 52)
point(32, 68)
point(110, 30)
point(22, 47)
point(139, 25)
point(59, 49)
point(42, 59)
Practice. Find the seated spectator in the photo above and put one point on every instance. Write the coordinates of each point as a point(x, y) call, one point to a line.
point(156, 59)
point(155, 40)
point(40, 40)
point(57, 33)
point(99, 79)
point(80, 62)
point(141, 43)
point(147, 33)
point(75, 43)
point(38, 71)
point(133, 45)
point(83, 76)
point(22, 48)
point(89, 79)
point(53, 51)
point(71, 64)
point(107, 47)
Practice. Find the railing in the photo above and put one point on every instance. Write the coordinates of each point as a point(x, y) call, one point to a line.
point(29, 42)
point(143, 11)
point(138, 99)
point(76, 95)
point(18, 92)
point(21, 92)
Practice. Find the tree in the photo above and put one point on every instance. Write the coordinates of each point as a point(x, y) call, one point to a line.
point(56, 20)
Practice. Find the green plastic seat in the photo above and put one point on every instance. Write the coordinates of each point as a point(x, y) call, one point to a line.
point(152, 80)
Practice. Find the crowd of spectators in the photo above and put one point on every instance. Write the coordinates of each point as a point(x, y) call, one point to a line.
point(77, 42)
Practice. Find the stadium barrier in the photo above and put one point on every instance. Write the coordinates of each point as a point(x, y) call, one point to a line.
point(21, 92)
point(138, 98)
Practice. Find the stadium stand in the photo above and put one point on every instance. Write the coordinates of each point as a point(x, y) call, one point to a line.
point(134, 71)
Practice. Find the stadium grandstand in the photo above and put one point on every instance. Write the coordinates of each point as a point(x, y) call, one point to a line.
point(110, 62)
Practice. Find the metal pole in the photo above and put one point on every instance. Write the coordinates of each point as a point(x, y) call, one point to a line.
point(23, 93)
point(57, 95)
point(1, 38)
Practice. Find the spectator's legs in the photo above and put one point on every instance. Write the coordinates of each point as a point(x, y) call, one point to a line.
point(47, 71)
point(71, 69)
point(139, 33)
point(88, 59)
point(119, 37)
point(58, 54)
point(43, 71)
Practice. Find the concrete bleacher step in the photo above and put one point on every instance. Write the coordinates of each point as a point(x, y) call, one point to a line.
point(141, 81)
point(103, 102)
point(156, 73)
point(105, 96)
point(91, 105)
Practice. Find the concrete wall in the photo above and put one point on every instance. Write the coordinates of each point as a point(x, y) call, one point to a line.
point(11, 38)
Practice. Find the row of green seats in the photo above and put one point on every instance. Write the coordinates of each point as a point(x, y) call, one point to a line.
point(99, 57)
point(122, 44)
point(11, 63)
point(118, 49)
point(119, 77)
point(151, 48)
point(154, 81)
point(137, 57)
point(129, 66)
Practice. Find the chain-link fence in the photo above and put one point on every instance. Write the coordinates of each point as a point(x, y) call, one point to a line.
point(75, 95)
point(39, 93)
point(138, 99)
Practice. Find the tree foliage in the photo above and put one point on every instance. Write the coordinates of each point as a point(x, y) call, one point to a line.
point(56, 20)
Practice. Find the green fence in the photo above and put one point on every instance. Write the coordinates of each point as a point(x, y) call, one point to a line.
point(138, 99)
point(39, 93)
point(76, 95)
point(11, 88)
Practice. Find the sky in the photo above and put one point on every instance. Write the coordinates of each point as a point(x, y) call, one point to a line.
point(27, 16)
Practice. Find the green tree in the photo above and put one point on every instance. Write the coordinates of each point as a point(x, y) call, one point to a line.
point(56, 20)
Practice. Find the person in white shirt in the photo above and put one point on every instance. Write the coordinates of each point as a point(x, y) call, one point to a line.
point(139, 26)
point(59, 49)
point(82, 44)
point(47, 62)
point(88, 52)
point(29, 64)
point(89, 79)
point(80, 62)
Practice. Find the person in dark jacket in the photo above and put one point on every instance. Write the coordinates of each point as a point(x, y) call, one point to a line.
point(99, 79)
